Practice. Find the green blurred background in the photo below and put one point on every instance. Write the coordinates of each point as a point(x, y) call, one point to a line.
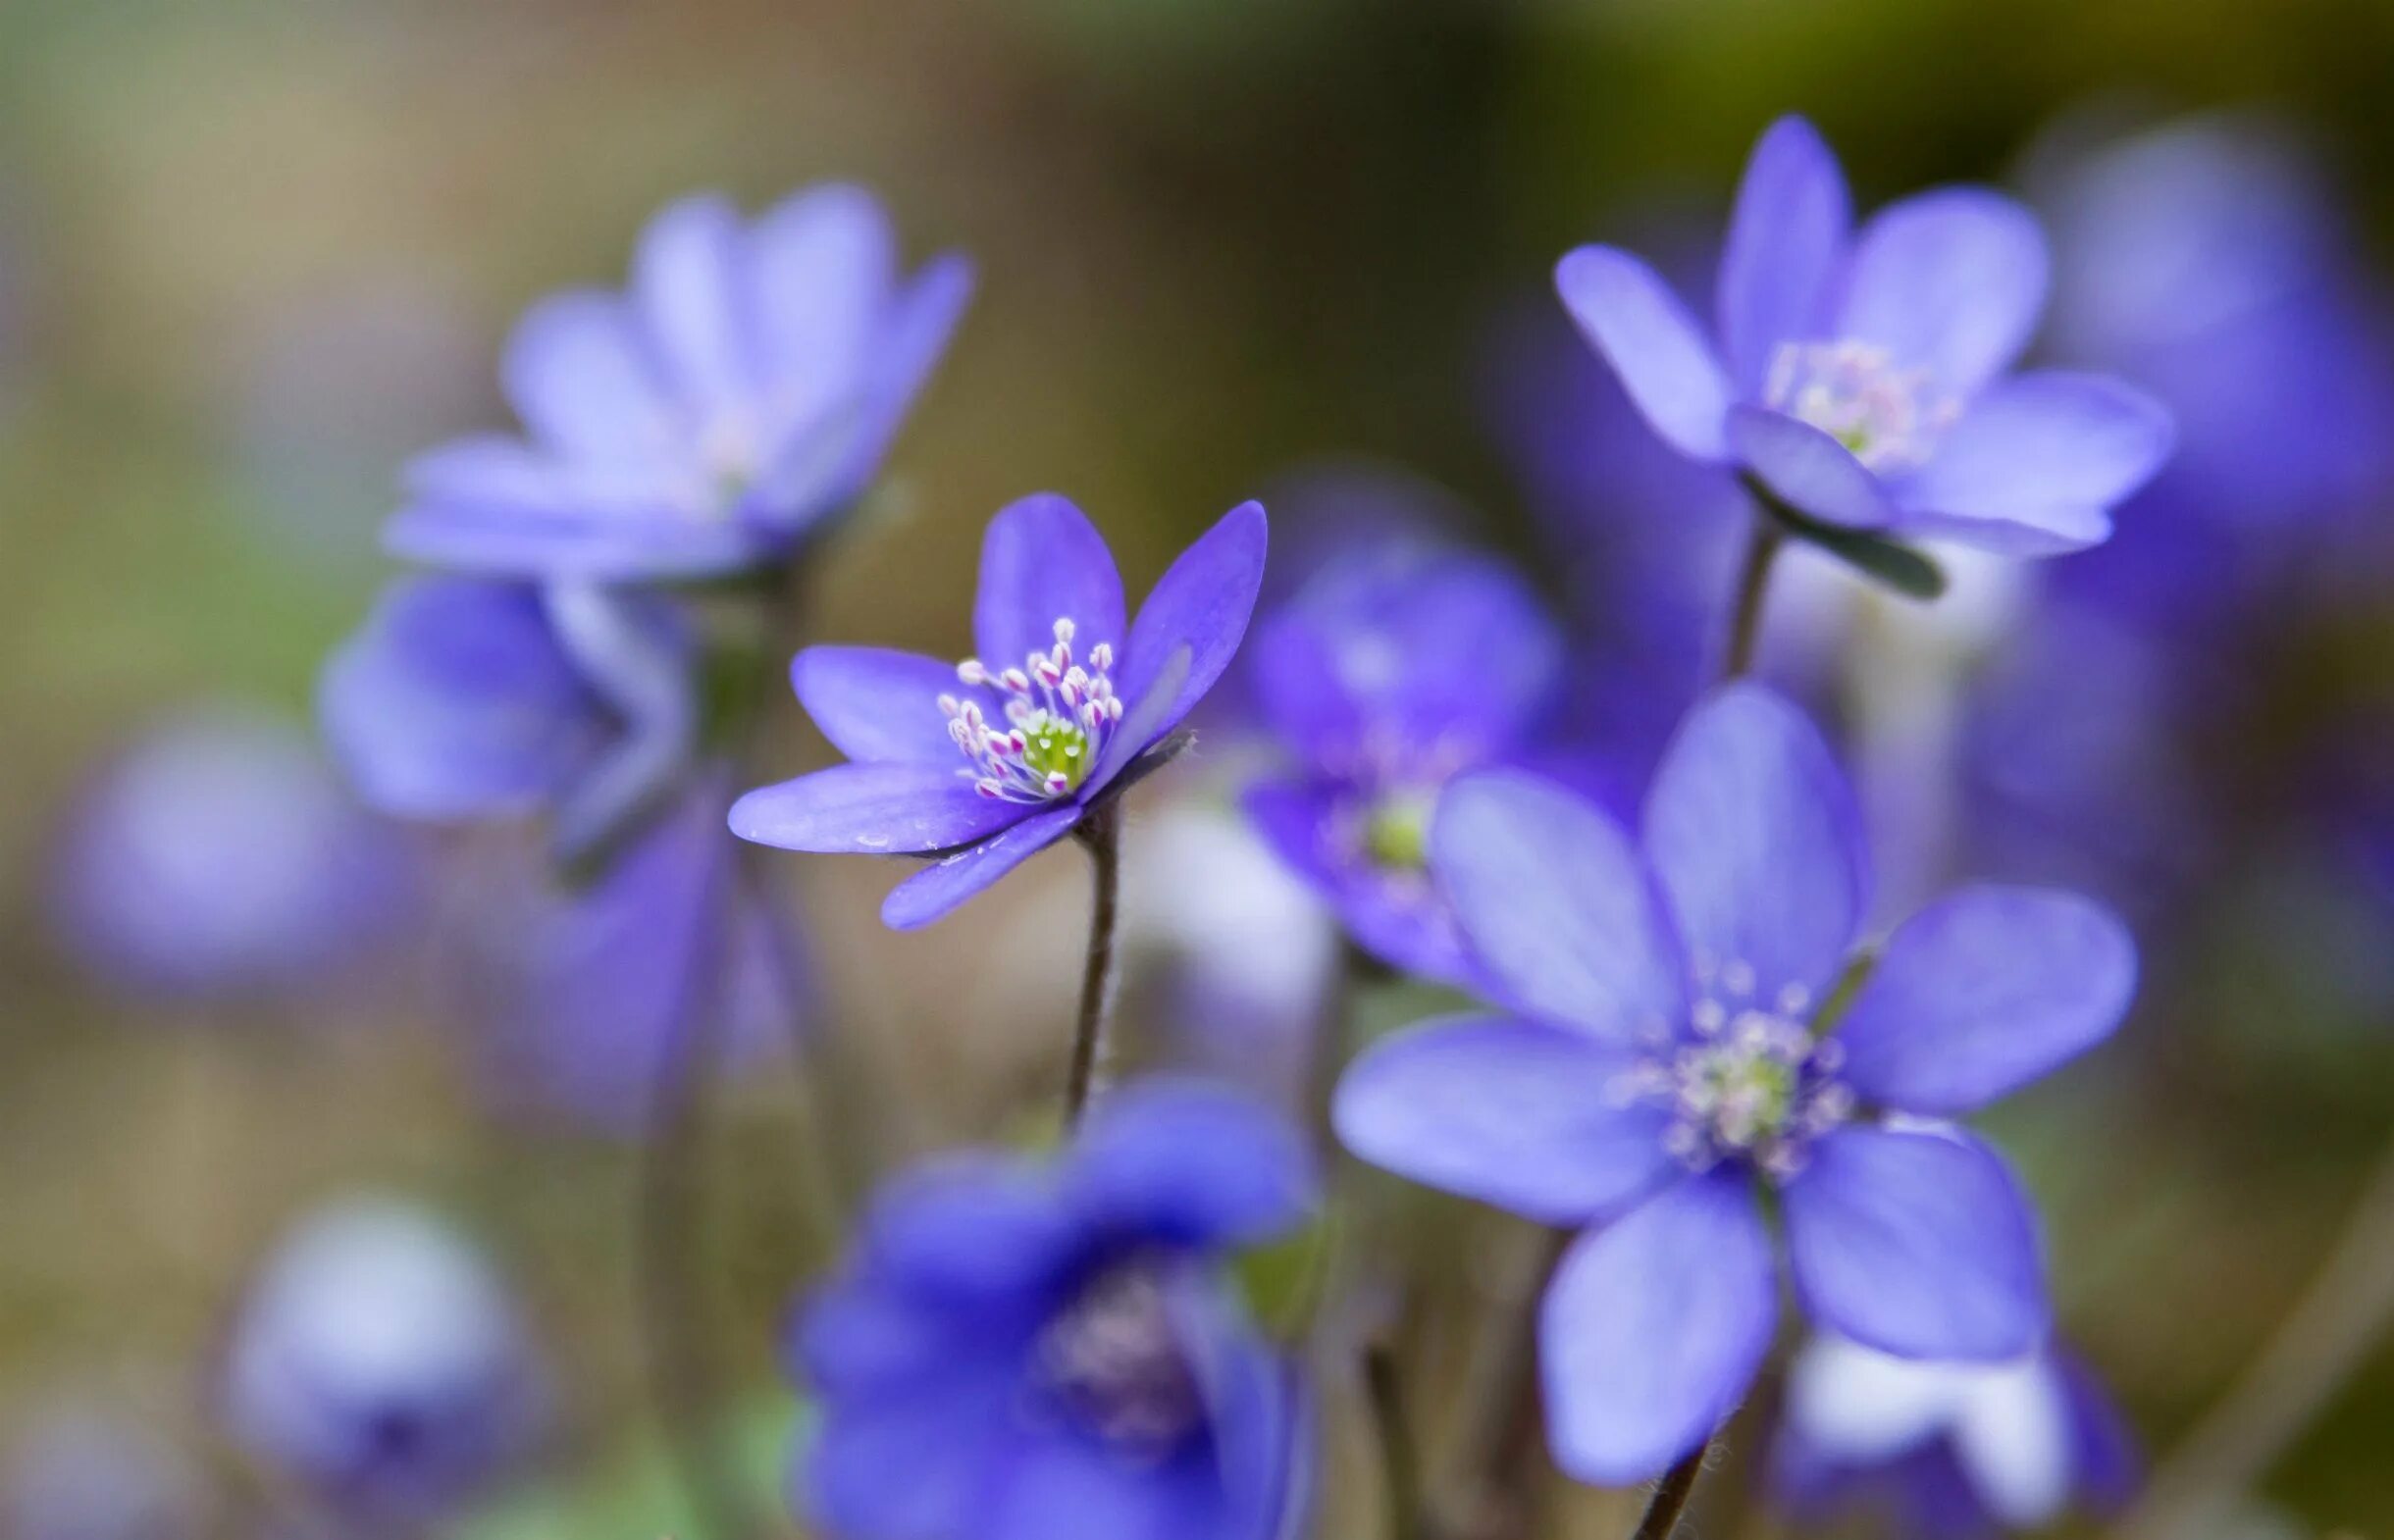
point(255, 252)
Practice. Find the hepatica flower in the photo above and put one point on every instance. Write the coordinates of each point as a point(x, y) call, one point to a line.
point(742, 390)
point(1020, 1352)
point(1665, 1063)
point(1861, 378)
point(1397, 667)
point(1951, 1451)
point(981, 764)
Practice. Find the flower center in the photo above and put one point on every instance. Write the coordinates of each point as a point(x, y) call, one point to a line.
point(1751, 1084)
point(1890, 418)
point(1059, 715)
point(1396, 830)
point(1115, 1364)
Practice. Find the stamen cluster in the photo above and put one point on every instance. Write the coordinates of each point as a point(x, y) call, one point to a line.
point(1059, 715)
point(1753, 1084)
point(1114, 1363)
point(1891, 418)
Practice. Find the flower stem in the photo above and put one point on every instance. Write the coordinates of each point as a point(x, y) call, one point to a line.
point(1753, 586)
point(2333, 1329)
point(1400, 1456)
point(1102, 837)
point(1671, 1496)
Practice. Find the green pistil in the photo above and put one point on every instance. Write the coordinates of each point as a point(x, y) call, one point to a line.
point(1058, 747)
point(1396, 832)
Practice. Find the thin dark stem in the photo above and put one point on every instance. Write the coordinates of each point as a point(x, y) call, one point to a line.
point(1671, 1496)
point(1500, 1419)
point(1400, 1456)
point(1102, 837)
point(1753, 586)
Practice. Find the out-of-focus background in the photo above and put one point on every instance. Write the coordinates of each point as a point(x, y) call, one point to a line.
point(255, 253)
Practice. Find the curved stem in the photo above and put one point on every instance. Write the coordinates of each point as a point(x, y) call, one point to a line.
point(1102, 837)
point(1753, 584)
point(2333, 1329)
point(1671, 1496)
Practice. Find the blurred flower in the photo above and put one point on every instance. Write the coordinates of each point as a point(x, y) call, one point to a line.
point(80, 1473)
point(467, 698)
point(583, 993)
point(934, 774)
point(1400, 665)
point(220, 856)
point(1664, 1061)
point(1862, 382)
point(741, 391)
point(379, 1364)
point(1029, 1353)
point(1950, 1451)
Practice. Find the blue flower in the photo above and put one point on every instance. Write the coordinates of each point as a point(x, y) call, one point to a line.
point(1018, 1352)
point(1951, 1451)
point(983, 764)
point(1664, 1058)
point(1399, 666)
point(1860, 378)
point(381, 1365)
point(221, 855)
point(741, 391)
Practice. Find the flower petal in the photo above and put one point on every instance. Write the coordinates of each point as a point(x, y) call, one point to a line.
point(1785, 242)
point(1982, 993)
point(2013, 1437)
point(1630, 315)
point(1198, 1164)
point(1557, 906)
point(578, 375)
point(939, 891)
point(1808, 469)
point(1756, 837)
point(880, 704)
point(1396, 916)
point(690, 280)
point(1054, 1485)
point(2045, 450)
point(1043, 561)
point(1201, 603)
point(907, 1466)
point(1916, 1244)
point(821, 265)
point(976, 1228)
point(1523, 1116)
point(1949, 281)
point(1653, 1327)
point(873, 809)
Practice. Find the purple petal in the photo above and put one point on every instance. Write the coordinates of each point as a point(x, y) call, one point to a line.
point(1557, 906)
point(634, 648)
point(1055, 1486)
point(1653, 1330)
point(2027, 533)
point(495, 505)
point(1984, 992)
point(821, 266)
point(873, 809)
point(689, 280)
point(1396, 916)
point(1197, 1164)
point(1201, 603)
point(937, 892)
point(1949, 281)
point(1043, 561)
point(1757, 842)
point(1808, 469)
point(1785, 242)
point(1630, 315)
point(2046, 451)
point(1515, 1115)
point(577, 373)
point(971, 1229)
point(918, 1464)
point(454, 701)
point(879, 704)
point(1916, 1244)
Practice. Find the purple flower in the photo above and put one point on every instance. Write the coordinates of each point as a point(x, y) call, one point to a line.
point(741, 391)
point(1665, 1058)
point(982, 765)
point(1029, 1353)
point(380, 1365)
point(83, 1472)
point(221, 855)
point(464, 699)
point(1860, 378)
point(1398, 667)
point(1949, 1451)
